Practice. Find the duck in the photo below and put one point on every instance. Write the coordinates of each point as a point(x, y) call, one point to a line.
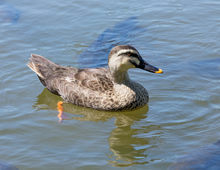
point(107, 89)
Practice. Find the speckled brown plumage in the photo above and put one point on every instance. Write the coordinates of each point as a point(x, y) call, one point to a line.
point(93, 88)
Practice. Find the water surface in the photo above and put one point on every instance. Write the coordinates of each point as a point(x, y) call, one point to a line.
point(181, 37)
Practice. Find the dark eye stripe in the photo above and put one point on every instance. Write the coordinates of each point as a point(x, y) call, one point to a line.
point(132, 62)
point(130, 54)
point(135, 55)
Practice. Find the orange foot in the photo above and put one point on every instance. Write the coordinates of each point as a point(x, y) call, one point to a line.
point(61, 115)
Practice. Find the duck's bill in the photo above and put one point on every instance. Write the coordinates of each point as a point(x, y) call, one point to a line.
point(145, 66)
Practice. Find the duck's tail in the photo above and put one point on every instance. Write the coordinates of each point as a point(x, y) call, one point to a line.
point(37, 63)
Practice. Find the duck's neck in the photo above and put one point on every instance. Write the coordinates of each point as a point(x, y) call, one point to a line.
point(120, 77)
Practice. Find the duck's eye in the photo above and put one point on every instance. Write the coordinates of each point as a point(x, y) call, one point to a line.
point(129, 53)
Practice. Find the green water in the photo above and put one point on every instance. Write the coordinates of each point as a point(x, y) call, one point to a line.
point(181, 37)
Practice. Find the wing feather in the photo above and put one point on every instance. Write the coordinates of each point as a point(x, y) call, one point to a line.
point(98, 79)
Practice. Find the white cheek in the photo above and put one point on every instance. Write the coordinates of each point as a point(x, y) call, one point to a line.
point(136, 60)
point(125, 61)
point(127, 64)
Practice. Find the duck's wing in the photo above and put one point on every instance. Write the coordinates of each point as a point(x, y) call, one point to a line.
point(88, 87)
point(98, 79)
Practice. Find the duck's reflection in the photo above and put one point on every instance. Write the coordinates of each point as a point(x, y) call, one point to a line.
point(126, 145)
point(47, 100)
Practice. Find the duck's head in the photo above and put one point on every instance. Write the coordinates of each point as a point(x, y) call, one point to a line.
point(124, 57)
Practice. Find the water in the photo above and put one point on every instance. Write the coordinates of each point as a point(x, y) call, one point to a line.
point(181, 37)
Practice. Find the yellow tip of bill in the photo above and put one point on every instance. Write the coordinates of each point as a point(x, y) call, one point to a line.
point(159, 71)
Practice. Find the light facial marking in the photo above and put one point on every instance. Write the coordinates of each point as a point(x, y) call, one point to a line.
point(136, 60)
point(127, 51)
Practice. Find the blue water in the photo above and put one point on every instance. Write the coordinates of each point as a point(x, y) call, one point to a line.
point(8, 13)
point(180, 37)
